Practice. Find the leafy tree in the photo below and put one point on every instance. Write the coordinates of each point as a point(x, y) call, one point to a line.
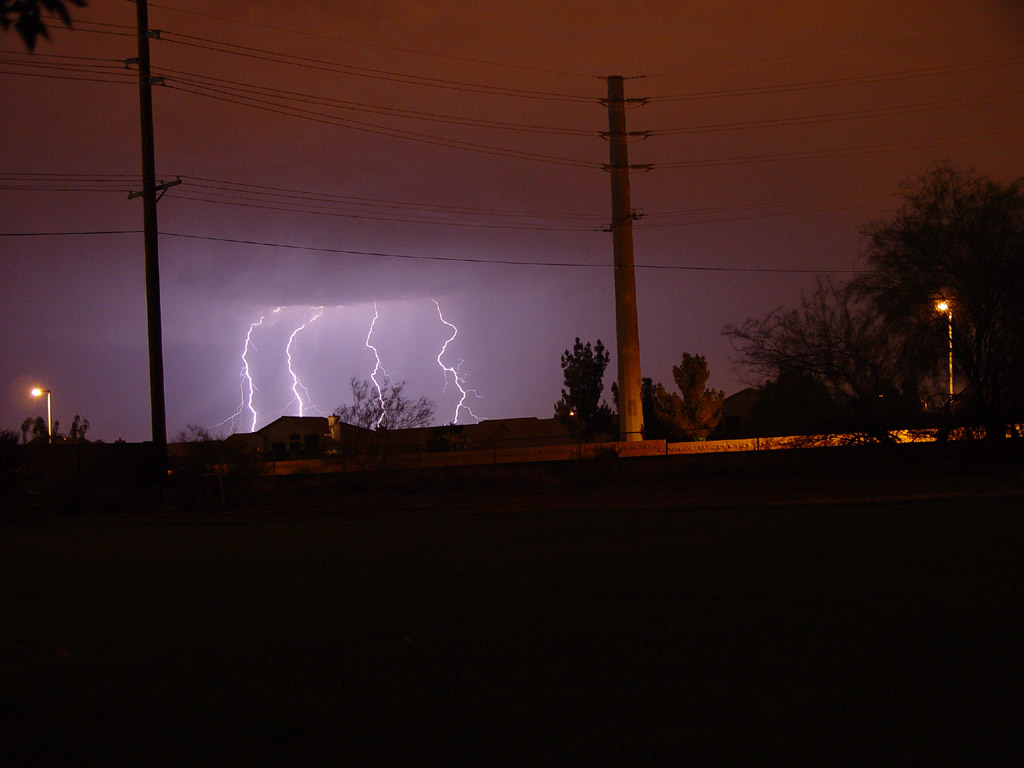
point(958, 236)
point(837, 339)
point(27, 426)
point(79, 427)
point(581, 408)
point(689, 415)
point(37, 428)
point(27, 19)
point(701, 407)
point(662, 411)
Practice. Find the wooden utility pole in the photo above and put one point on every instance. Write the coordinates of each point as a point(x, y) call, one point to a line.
point(149, 225)
point(627, 333)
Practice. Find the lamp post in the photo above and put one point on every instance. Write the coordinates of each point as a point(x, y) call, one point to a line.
point(36, 392)
point(944, 305)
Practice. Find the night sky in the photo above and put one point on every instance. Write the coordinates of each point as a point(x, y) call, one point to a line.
point(391, 153)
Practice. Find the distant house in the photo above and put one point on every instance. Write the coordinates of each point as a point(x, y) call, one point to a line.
point(525, 432)
point(304, 436)
point(518, 433)
point(290, 436)
point(737, 415)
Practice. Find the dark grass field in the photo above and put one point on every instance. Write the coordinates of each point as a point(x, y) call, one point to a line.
point(521, 627)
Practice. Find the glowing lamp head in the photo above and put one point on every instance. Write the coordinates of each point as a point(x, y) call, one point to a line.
point(36, 392)
point(942, 306)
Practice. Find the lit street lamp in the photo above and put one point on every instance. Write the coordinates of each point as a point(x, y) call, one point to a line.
point(36, 392)
point(944, 305)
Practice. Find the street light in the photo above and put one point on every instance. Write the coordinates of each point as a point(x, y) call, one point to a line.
point(36, 392)
point(944, 305)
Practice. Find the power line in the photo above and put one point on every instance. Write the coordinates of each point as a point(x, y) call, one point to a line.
point(81, 26)
point(65, 174)
point(68, 182)
point(840, 151)
point(99, 76)
point(830, 117)
point(457, 259)
point(349, 69)
point(323, 65)
point(263, 192)
point(769, 204)
point(288, 200)
point(839, 82)
point(110, 74)
point(498, 262)
point(259, 189)
point(222, 85)
point(756, 62)
point(131, 29)
point(753, 217)
point(274, 105)
point(866, 201)
point(379, 46)
point(406, 218)
point(73, 233)
point(37, 57)
point(328, 119)
point(56, 187)
point(230, 93)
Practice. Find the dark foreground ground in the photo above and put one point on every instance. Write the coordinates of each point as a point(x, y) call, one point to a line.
point(517, 627)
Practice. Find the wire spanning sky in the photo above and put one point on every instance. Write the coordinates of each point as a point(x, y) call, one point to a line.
point(338, 155)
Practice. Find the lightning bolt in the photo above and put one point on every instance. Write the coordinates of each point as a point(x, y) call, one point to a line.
point(296, 383)
point(246, 384)
point(377, 368)
point(247, 374)
point(459, 380)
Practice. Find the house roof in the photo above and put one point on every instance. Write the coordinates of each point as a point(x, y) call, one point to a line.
point(502, 430)
point(511, 429)
point(296, 424)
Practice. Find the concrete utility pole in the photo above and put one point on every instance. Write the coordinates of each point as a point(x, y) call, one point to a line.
point(627, 333)
point(149, 225)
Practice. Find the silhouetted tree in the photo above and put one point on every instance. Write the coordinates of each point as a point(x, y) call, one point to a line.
point(701, 407)
point(958, 236)
point(837, 338)
point(384, 410)
point(26, 16)
point(12, 493)
point(448, 437)
point(581, 408)
point(662, 411)
point(201, 449)
point(79, 427)
point(794, 403)
point(376, 416)
point(198, 467)
point(691, 414)
point(37, 428)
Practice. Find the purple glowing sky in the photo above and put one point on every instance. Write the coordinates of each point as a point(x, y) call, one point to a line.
point(777, 130)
